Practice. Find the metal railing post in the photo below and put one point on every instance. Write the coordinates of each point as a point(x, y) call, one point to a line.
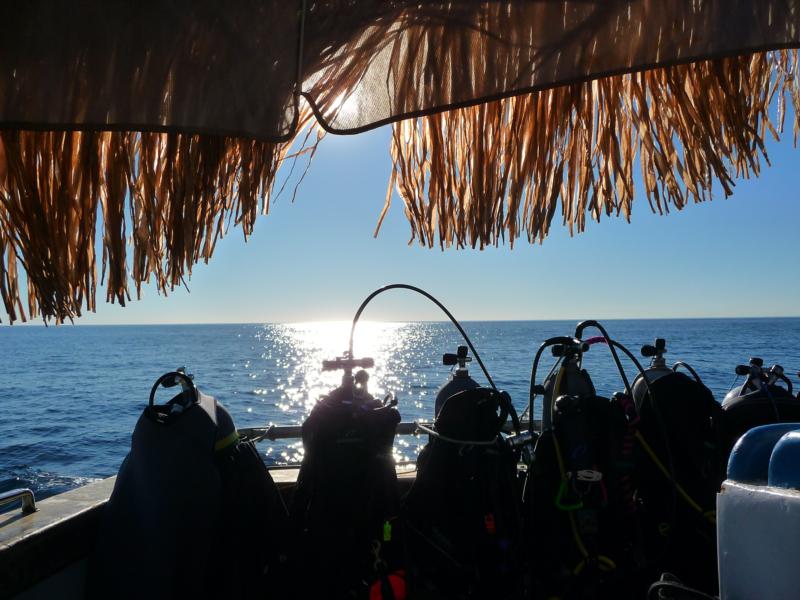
point(24, 494)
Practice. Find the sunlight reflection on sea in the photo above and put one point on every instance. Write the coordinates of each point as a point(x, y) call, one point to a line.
point(298, 350)
point(71, 395)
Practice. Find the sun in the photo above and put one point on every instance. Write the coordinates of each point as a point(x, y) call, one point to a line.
point(344, 108)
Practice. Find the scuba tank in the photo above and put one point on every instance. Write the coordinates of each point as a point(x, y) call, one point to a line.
point(571, 379)
point(657, 369)
point(462, 512)
point(759, 400)
point(194, 512)
point(460, 379)
point(680, 468)
point(578, 505)
point(345, 507)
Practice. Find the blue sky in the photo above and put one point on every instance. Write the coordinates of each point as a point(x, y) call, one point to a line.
point(316, 259)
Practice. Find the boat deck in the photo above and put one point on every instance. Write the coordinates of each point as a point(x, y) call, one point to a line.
point(43, 554)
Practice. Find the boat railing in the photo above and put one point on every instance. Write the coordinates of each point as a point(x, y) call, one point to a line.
point(24, 494)
point(284, 432)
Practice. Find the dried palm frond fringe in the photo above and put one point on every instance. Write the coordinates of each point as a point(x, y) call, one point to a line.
point(170, 195)
point(467, 177)
point(470, 177)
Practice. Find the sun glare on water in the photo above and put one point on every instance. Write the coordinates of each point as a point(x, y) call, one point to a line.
point(317, 342)
point(298, 350)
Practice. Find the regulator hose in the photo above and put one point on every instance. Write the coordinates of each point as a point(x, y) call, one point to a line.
point(404, 286)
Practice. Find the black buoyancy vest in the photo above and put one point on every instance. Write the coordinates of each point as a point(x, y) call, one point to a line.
point(681, 420)
point(346, 504)
point(580, 521)
point(254, 536)
point(463, 509)
point(193, 513)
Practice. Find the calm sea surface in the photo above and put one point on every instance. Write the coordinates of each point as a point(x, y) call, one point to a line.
point(71, 395)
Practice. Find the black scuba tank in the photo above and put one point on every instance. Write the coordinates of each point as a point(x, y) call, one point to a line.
point(658, 368)
point(572, 379)
point(759, 400)
point(460, 379)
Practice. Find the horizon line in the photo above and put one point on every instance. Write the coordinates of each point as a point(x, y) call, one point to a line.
point(77, 322)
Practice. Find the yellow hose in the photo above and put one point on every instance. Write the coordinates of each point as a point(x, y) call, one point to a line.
point(708, 515)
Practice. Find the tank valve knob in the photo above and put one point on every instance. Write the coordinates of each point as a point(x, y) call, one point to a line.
point(571, 347)
point(657, 350)
point(460, 358)
point(347, 363)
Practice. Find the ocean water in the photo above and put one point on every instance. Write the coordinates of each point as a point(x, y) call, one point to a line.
point(70, 395)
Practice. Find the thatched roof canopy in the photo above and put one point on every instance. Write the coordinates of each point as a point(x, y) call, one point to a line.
point(165, 121)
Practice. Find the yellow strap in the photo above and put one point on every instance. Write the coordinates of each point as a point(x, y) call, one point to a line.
point(709, 515)
point(229, 439)
point(603, 562)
